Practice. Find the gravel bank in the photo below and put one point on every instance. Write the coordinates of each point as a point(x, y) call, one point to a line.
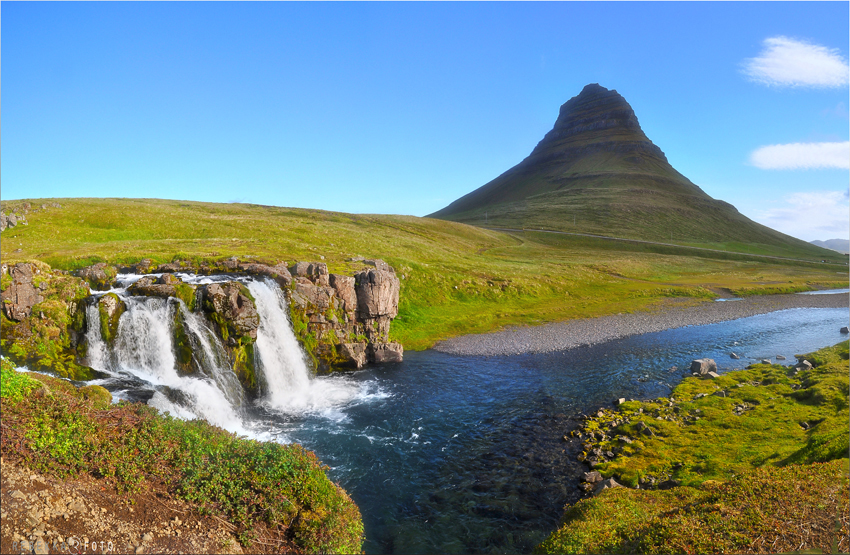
point(575, 333)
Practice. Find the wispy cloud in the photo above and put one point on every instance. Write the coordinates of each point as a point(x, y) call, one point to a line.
point(802, 156)
point(795, 63)
point(810, 215)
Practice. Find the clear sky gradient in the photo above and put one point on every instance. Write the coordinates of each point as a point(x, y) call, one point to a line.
point(404, 107)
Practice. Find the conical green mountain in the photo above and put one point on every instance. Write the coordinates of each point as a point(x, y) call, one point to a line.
point(597, 172)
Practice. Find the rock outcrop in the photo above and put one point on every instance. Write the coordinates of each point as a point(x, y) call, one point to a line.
point(348, 317)
point(21, 294)
point(43, 319)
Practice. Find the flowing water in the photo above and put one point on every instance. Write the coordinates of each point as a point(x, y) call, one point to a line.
point(441, 453)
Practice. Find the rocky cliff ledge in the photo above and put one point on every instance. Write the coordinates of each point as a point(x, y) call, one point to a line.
point(342, 321)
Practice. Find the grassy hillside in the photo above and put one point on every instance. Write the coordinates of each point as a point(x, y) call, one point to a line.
point(760, 455)
point(455, 278)
point(258, 487)
point(596, 172)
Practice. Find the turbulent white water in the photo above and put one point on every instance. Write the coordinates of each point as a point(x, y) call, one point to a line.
point(287, 382)
point(143, 357)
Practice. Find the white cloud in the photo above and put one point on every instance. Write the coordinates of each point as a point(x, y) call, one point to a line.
point(794, 63)
point(802, 156)
point(810, 215)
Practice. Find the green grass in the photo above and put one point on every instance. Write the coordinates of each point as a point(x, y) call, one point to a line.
point(764, 510)
point(455, 279)
point(50, 425)
point(739, 472)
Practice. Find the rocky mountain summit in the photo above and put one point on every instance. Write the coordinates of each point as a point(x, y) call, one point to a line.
point(596, 172)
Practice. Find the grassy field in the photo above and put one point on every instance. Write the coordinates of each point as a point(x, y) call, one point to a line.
point(455, 279)
point(771, 476)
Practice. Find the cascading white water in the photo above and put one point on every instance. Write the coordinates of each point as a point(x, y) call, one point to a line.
point(98, 352)
point(144, 349)
point(210, 354)
point(287, 381)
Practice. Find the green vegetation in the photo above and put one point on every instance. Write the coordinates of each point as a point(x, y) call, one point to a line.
point(43, 342)
point(747, 449)
point(455, 279)
point(50, 425)
point(764, 510)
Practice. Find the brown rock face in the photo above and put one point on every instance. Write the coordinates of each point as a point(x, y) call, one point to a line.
point(21, 295)
point(230, 301)
point(344, 288)
point(386, 352)
point(279, 272)
point(377, 293)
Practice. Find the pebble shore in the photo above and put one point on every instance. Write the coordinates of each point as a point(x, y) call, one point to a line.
point(575, 333)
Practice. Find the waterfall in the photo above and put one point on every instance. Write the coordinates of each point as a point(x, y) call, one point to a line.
point(143, 356)
point(144, 348)
point(287, 381)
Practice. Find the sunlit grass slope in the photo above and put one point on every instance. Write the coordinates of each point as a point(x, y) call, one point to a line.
point(455, 278)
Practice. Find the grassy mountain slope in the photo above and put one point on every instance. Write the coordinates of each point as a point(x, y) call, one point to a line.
point(455, 278)
point(596, 172)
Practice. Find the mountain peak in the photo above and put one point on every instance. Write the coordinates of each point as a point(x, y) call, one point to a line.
point(586, 117)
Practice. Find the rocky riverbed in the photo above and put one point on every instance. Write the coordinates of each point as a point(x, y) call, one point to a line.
point(567, 335)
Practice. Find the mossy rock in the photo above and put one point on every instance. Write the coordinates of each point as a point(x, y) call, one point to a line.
point(187, 294)
point(244, 367)
point(110, 308)
point(182, 346)
point(100, 397)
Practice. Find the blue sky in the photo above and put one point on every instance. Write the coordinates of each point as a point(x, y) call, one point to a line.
point(404, 107)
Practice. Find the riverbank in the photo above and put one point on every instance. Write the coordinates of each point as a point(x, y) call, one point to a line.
point(752, 461)
point(670, 314)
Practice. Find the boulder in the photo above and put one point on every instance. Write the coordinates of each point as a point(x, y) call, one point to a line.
point(4, 221)
point(353, 354)
point(98, 275)
point(231, 302)
point(149, 286)
point(592, 477)
point(734, 356)
point(620, 401)
point(606, 484)
point(386, 352)
point(712, 375)
point(21, 294)
point(377, 293)
point(803, 365)
point(766, 361)
point(703, 366)
point(780, 357)
point(344, 288)
point(845, 329)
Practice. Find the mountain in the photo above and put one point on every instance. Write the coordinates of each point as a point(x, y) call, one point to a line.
point(838, 245)
point(597, 172)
